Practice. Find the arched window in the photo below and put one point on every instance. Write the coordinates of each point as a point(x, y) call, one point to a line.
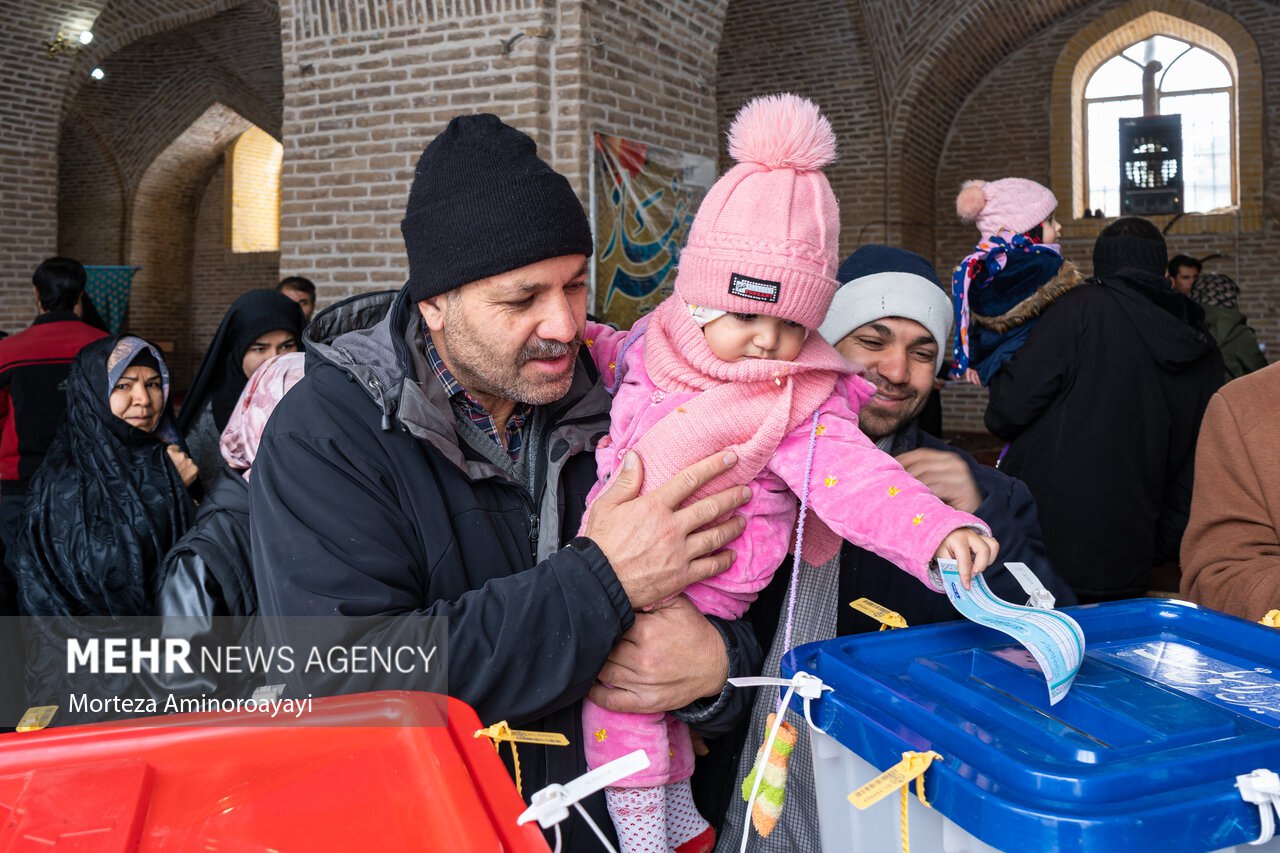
point(1191, 81)
point(252, 192)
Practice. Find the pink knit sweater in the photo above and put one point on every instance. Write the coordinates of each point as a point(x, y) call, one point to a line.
point(861, 493)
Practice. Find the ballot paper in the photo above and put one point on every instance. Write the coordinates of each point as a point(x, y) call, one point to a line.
point(1054, 639)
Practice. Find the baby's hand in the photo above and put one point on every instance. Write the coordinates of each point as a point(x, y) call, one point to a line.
point(971, 376)
point(971, 550)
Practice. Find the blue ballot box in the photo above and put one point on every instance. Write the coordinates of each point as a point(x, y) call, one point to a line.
point(1171, 704)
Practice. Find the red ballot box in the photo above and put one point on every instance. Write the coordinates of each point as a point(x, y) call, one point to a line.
point(375, 771)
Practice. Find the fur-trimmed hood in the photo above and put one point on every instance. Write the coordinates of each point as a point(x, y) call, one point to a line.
point(1068, 277)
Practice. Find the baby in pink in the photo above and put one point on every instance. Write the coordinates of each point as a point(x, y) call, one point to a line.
point(731, 361)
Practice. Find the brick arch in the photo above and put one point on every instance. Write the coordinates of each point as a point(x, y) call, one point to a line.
point(953, 54)
point(179, 103)
point(120, 23)
point(162, 229)
point(1134, 21)
point(93, 195)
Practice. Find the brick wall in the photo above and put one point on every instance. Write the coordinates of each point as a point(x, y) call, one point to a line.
point(363, 94)
point(361, 106)
point(922, 94)
point(1024, 148)
point(218, 275)
point(763, 52)
point(29, 118)
point(163, 228)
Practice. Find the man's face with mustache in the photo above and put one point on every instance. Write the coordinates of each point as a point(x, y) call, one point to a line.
point(514, 336)
point(899, 356)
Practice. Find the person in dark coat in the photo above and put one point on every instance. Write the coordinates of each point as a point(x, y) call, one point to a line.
point(107, 504)
point(1102, 408)
point(423, 485)
point(891, 317)
point(207, 593)
point(33, 375)
point(260, 324)
point(1219, 296)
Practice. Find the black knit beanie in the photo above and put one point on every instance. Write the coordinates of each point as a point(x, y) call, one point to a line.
point(484, 203)
point(1130, 242)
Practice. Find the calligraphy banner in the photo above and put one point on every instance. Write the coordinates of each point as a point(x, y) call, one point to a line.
point(643, 202)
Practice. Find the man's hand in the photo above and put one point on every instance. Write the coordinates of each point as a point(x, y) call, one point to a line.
point(671, 656)
point(945, 474)
point(657, 549)
point(187, 468)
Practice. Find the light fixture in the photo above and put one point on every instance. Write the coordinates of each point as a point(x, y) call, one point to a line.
point(65, 44)
point(97, 74)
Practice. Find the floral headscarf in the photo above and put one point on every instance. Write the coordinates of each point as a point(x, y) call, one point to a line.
point(266, 388)
point(127, 350)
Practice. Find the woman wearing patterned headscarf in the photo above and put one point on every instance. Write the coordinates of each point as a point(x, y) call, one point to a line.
point(207, 591)
point(107, 504)
point(1220, 298)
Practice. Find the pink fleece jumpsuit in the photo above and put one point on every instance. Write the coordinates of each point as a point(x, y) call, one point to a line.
point(861, 493)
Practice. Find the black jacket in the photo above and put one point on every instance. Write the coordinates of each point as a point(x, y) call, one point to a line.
point(207, 594)
point(102, 512)
point(1102, 407)
point(369, 502)
point(208, 572)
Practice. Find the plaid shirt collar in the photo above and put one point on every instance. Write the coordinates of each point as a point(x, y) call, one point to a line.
point(475, 412)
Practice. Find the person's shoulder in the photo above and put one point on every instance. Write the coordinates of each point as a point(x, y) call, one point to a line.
point(326, 399)
point(1088, 292)
point(57, 333)
point(1254, 399)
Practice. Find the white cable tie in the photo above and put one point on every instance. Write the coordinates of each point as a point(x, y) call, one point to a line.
point(1262, 788)
point(806, 685)
point(1037, 596)
point(551, 805)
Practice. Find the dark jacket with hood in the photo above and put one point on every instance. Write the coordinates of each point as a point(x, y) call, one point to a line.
point(1102, 407)
point(372, 500)
point(1235, 339)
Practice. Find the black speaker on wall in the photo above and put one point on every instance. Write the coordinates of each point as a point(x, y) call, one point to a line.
point(1150, 165)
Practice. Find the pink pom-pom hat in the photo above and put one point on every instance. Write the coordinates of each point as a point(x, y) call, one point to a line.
point(1016, 204)
point(765, 240)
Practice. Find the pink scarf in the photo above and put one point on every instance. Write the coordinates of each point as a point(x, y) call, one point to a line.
point(267, 387)
point(745, 406)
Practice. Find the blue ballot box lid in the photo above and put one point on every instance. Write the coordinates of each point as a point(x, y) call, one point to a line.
point(1171, 703)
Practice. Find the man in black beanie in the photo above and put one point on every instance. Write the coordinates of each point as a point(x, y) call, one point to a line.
point(429, 476)
point(1102, 407)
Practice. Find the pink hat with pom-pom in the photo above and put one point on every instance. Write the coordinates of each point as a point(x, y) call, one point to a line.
point(1016, 204)
point(766, 237)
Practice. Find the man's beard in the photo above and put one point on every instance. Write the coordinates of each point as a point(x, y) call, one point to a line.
point(877, 425)
point(482, 371)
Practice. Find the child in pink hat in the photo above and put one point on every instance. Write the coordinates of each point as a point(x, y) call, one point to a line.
point(730, 361)
point(1012, 275)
